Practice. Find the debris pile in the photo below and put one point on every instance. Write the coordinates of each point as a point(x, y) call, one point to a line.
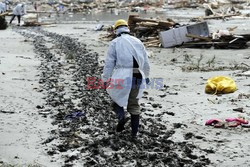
point(167, 33)
point(30, 20)
point(223, 42)
point(185, 3)
point(88, 6)
point(210, 13)
point(147, 30)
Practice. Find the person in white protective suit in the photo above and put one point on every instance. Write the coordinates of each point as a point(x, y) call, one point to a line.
point(125, 74)
point(3, 7)
point(18, 11)
point(7, 3)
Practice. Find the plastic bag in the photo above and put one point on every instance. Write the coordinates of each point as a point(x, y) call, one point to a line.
point(220, 85)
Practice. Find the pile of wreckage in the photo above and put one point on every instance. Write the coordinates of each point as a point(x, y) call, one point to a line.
point(222, 13)
point(215, 4)
point(167, 34)
point(86, 6)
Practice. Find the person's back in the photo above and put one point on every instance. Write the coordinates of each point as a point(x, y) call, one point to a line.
point(19, 10)
point(127, 48)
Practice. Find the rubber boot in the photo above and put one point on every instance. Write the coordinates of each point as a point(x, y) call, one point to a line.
point(135, 119)
point(121, 117)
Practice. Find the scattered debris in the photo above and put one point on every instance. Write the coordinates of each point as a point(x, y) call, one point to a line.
point(229, 122)
point(243, 96)
point(74, 115)
point(215, 122)
point(238, 109)
point(210, 13)
point(99, 27)
point(7, 112)
point(246, 73)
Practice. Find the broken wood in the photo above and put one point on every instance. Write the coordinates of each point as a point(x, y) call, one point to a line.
point(135, 19)
point(147, 24)
point(214, 17)
point(30, 11)
point(4, 14)
point(198, 37)
point(152, 42)
point(222, 43)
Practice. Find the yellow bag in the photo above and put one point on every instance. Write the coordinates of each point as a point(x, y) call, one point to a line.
point(220, 85)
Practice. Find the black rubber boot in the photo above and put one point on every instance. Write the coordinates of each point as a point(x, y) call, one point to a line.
point(121, 117)
point(135, 119)
point(120, 125)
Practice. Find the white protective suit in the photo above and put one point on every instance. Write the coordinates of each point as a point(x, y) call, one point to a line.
point(19, 10)
point(119, 65)
point(2, 7)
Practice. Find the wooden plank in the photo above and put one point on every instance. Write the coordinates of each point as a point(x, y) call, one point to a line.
point(4, 14)
point(134, 19)
point(147, 24)
point(30, 11)
point(151, 42)
point(198, 37)
point(215, 17)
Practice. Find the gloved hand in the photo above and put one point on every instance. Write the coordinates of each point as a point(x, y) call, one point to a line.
point(147, 81)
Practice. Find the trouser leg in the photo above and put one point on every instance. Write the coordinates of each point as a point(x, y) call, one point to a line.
point(134, 110)
point(133, 103)
point(19, 19)
point(134, 106)
point(12, 18)
point(121, 117)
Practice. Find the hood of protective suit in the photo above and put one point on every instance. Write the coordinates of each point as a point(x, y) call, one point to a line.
point(121, 30)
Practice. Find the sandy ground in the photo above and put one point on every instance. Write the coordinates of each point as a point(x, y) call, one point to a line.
point(23, 130)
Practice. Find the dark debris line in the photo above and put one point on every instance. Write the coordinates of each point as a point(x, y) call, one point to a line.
point(93, 136)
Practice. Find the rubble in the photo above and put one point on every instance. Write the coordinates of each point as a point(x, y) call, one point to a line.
point(214, 17)
point(224, 42)
point(147, 30)
point(220, 13)
point(167, 33)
